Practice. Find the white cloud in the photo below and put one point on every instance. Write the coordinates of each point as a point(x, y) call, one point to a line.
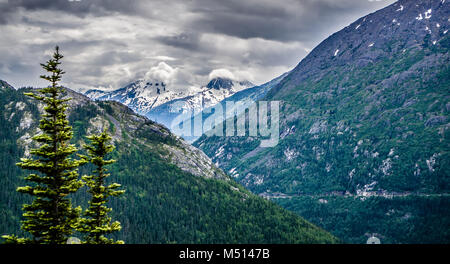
point(163, 58)
point(162, 72)
point(221, 73)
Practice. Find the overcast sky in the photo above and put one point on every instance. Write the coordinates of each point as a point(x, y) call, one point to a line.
point(109, 43)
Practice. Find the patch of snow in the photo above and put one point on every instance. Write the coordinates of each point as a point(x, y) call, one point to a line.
point(400, 9)
point(438, 25)
point(219, 151)
point(366, 191)
point(357, 26)
point(445, 32)
point(336, 52)
point(328, 167)
point(318, 127)
point(428, 14)
point(416, 170)
point(288, 132)
point(233, 172)
point(290, 154)
point(258, 180)
point(371, 44)
point(419, 17)
point(318, 151)
point(391, 152)
point(351, 173)
point(432, 161)
point(434, 42)
point(386, 166)
point(20, 106)
point(11, 116)
point(355, 154)
point(322, 201)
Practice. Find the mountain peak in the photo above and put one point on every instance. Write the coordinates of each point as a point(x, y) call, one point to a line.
point(226, 83)
point(220, 83)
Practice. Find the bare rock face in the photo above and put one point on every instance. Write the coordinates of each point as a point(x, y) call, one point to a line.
point(193, 160)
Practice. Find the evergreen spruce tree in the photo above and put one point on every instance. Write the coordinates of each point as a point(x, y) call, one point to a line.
point(97, 223)
point(50, 218)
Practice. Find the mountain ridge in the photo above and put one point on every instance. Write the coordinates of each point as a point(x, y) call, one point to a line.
point(144, 95)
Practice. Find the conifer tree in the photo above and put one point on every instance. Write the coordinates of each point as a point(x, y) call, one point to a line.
point(98, 223)
point(50, 218)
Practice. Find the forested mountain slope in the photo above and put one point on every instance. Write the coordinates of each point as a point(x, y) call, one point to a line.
point(174, 194)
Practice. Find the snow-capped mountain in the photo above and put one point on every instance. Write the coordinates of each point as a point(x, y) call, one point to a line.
point(95, 93)
point(215, 91)
point(144, 95)
point(218, 91)
point(141, 95)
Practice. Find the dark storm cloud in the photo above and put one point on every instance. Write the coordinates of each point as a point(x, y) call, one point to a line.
point(291, 20)
point(75, 7)
point(279, 20)
point(187, 41)
point(79, 8)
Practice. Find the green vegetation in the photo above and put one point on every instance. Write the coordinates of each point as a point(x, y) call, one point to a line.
point(50, 217)
point(381, 128)
point(97, 223)
point(411, 219)
point(162, 203)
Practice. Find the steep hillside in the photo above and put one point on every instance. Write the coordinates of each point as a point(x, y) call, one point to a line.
point(174, 194)
point(364, 119)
